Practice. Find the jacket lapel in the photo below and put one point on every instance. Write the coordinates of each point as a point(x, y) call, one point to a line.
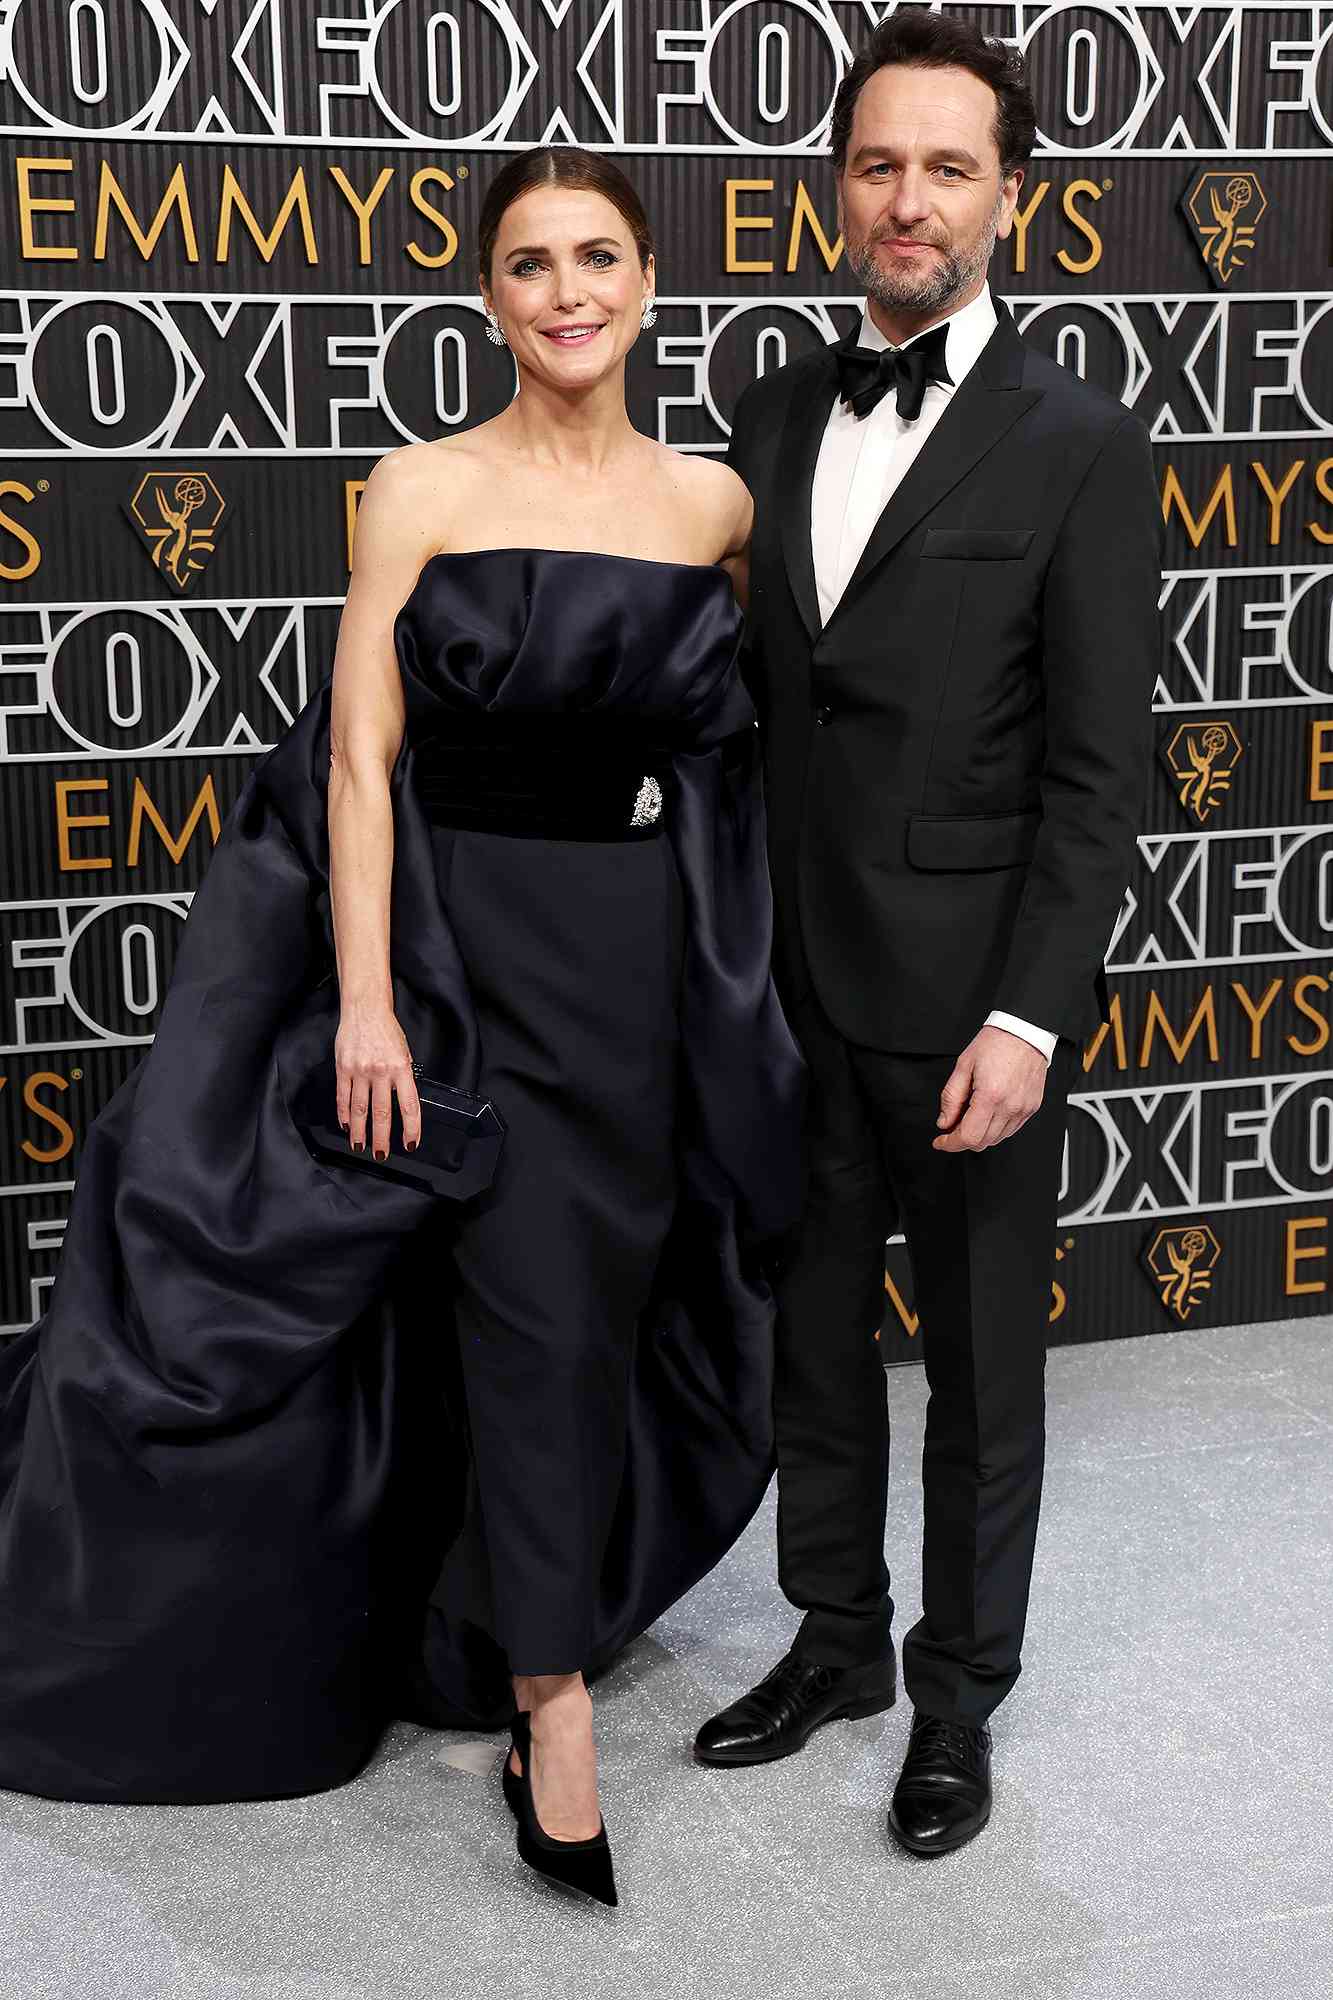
point(798, 454)
point(990, 401)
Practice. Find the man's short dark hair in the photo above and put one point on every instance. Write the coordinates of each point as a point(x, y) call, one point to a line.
point(919, 39)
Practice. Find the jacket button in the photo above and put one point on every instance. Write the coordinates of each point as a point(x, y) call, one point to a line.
point(823, 714)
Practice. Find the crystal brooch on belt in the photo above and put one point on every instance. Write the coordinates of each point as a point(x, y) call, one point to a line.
point(648, 805)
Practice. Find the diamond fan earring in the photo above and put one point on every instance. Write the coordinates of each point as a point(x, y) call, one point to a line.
point(494, 330)
point(648, 317)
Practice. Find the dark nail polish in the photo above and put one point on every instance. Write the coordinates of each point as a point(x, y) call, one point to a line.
point(379, 1155)
point(412, 1145)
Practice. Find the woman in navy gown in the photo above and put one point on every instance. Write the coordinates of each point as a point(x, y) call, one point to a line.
point(297, 1448)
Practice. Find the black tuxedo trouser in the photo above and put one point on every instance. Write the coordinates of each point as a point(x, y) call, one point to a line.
point(980, 1231)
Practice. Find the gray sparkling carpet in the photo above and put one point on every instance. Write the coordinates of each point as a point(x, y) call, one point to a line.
point(1163, 1823)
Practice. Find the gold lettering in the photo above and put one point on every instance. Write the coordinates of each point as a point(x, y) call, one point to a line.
point(1298, 1253)
point(1321, 760)
point(1115, 1027)
point(1276, 495)
point(66, 821)
point(432, 177)
point(362, 210)
point(803, 215)
point(1081, 223)
point(177, 196)
point(31, 205)
point(1223, 495)
point(142, 808)
point(45, 1156)
point(1256, 1013)
point(234, 202)
point(735, 222)
point(352, 491)
point(16, 572)
point(1022, 217)
point(1204, 1014)
point(1314, 1048)
point(909, 1320)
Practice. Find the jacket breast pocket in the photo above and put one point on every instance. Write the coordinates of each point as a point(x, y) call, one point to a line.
point(971, 840)
point(978, 544)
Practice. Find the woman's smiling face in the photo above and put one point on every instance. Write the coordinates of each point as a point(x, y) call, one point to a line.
point(567, 285)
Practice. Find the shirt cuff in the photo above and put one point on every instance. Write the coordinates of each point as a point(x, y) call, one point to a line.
point(1040, 1038)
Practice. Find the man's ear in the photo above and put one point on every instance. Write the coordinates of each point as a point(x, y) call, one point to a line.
point(1012, 181)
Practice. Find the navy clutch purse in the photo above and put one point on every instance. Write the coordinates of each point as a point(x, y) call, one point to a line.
point(461, 1136)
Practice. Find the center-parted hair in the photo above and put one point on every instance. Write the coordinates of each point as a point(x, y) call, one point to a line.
point(917, 39)
point(566, 167)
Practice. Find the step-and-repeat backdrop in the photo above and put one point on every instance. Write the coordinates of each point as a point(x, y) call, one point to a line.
point(237, 242)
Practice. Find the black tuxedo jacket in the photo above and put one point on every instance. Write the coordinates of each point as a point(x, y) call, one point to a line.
point(956, 764)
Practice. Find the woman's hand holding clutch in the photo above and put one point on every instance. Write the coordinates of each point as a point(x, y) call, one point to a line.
point(445, 1141)
point(373, 1062)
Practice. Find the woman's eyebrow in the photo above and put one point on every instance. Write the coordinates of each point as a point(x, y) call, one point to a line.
point(541, 250)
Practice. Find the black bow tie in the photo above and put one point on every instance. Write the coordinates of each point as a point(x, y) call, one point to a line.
point(866, 374)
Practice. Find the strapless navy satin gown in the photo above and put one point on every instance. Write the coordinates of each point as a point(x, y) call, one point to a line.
point(294, 1450)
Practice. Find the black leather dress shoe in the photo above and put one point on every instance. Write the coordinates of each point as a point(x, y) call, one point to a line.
point(943, 1795)
point(784, 1711)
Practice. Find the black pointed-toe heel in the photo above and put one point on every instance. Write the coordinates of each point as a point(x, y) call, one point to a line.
point(581, 1865)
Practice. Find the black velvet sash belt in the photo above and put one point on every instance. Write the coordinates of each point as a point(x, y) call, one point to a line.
point(574, 785)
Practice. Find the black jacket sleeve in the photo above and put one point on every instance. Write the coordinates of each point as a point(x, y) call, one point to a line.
point(742, 456)
point(1100, 655)
point(740, 447)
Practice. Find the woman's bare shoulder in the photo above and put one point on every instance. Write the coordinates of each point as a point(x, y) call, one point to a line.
point(421, 492)
point(720, 495)
point(428, 465)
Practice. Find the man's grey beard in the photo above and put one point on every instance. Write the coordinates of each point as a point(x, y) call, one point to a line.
point(947, 280)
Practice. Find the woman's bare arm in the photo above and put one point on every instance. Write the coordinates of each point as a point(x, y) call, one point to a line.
point(366, 731)
point(736, 557)
point(723, 500)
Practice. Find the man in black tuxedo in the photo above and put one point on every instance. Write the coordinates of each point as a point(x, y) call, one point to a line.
point(953, 635)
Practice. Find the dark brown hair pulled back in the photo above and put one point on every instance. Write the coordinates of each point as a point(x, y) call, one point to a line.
point(566, 167)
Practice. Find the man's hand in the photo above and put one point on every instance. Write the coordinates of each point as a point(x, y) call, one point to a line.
point(997, 1083)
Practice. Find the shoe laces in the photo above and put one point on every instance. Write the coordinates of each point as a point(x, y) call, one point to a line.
point(789, 1686)
point(937, 1740)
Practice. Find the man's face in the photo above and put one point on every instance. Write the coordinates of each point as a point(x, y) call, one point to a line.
point(921, 200)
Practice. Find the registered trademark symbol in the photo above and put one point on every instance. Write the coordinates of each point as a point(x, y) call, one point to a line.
point(463, 173)
point(1069, 1243)
point(43, 486)
point(1108, 185)
point(76, 1074)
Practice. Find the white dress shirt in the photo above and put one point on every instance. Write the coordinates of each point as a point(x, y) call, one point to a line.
point(861, 461)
